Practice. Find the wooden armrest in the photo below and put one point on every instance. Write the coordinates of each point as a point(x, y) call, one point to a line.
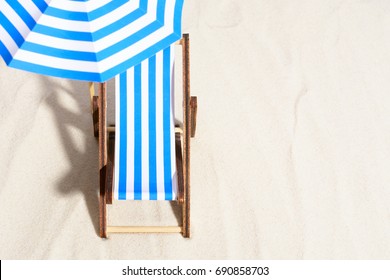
point(194, 110)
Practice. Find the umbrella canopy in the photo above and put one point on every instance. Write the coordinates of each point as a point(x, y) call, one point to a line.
point(91, 40)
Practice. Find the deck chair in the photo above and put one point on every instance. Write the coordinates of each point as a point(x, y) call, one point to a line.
point(122, 159)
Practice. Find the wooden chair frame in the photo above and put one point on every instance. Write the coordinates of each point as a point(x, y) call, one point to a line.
point(182, 142)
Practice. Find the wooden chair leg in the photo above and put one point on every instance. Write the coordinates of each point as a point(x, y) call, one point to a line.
point(102, 204)
point(186, 135)
point(186, 215)
point(102, 159)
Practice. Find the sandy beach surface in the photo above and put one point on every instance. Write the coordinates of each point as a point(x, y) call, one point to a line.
point(291, 159)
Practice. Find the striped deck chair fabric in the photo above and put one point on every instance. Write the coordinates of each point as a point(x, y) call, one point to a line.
point(145, 165)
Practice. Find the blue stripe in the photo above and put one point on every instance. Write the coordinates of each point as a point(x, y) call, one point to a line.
point(178, 16)
point(131, 17)
point(90, 76)
point(41, 5)
point(97, 35)
point(76, 55)
point(84, 36)
point(63, 34)
point(22, 13)
point(140, 57)
point(134, 38)
point(123, 137)
point(10, 28)
point(58, 13)
point(152, 130)
point(85, 16)
point(55, 72)
point(5, 54)
point(87, 56)
point(137, 133)
point(167, 123)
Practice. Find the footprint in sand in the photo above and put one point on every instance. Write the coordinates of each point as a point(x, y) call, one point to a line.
point(223, 13)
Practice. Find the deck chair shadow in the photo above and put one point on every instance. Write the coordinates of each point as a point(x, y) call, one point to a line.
point(144, 156)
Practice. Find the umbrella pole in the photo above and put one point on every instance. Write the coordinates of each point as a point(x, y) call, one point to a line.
point(102, 105)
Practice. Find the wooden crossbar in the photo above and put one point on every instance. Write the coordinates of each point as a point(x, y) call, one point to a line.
point(112, 129)
point(142, 229)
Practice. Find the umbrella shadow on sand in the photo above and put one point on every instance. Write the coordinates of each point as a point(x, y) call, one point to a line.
point(81, 149)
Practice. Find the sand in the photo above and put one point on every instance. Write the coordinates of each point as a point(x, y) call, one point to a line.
point(291, 159)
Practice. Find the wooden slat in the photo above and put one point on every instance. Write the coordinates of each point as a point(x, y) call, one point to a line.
point(141, 229)
point(180, 42)
point(178, 130)
point(102, 159)
point(110, 167)
point(186, 135)
point(110, 129)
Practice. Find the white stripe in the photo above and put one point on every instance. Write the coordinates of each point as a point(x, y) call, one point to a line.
point(172, 120)
point(77, 6)
point(99, 45)
point(90, 26)
point(93, 5)
point(74, 6)
point(130, 135)
point(159, 127)
point(59, 43)
point(86, 66)
point(145, 128)
point(117, 137)
point(135, 48)
point(131, 28)
point(33, 10)
point(145, 131)
point(14, 18)
point(67, 64)
point(64, 24)
point(8, 42)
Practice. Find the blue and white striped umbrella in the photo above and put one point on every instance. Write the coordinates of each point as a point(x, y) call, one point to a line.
point(91, 40)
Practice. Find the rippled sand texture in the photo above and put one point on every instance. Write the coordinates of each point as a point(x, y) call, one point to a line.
point(291, 158)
